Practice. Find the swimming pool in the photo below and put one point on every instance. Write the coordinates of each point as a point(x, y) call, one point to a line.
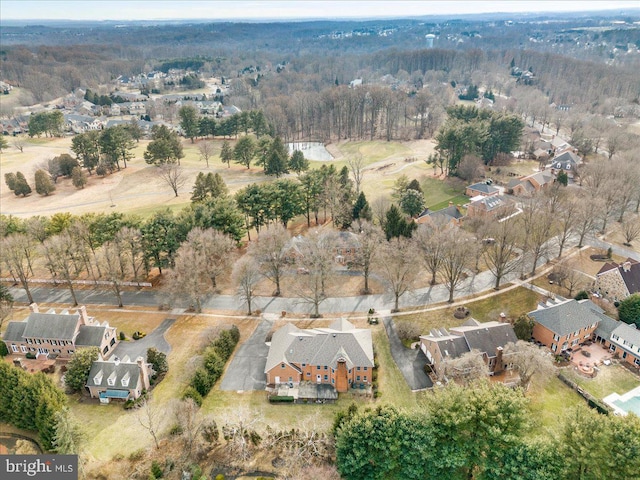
point(631, 405)
point(623, 404)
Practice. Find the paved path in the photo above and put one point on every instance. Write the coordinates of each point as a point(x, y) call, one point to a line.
point(138, 348)
point(246, 370)
point(410, 362)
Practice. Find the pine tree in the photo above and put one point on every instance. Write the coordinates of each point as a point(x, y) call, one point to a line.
point(78, 177)
point(21, 187)
point(44, 185)
point(226, 154)
point(277, 159)
point(10, 179)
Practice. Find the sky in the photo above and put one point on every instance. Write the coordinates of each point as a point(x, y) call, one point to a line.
point(272, 9)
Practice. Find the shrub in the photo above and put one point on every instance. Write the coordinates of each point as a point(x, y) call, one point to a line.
point(30, 355)
point(193, 394)
point(281, 399)
point(122, 336)
point(629, 310)
point(136, 455)
point(158, 360)
point(201, 381)
point(4, 351)
point(156, 470)
point(582, 295)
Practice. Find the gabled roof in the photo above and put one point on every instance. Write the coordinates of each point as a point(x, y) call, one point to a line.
point(90, 336)
point(321, 346)
point(629, 270)
point(493, 202)
point(52, 325)
point(449, 213)
point(14, 332)
point(606, 326)
point(628, 333)
point(483, 187)
point(103, 370)
point(487, 337)
point(566, 317)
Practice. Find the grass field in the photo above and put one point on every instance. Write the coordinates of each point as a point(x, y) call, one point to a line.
point(610, 379)
point(549, 404)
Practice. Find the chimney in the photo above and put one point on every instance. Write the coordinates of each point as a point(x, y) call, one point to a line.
point(34, 308)
point(144, 372)
point(626, 266)
point(84, 319)
point(450, 203)
point(498, 367)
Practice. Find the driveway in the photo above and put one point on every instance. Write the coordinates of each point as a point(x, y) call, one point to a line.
point(138, 348)
point(246, 370)
point(410, 362)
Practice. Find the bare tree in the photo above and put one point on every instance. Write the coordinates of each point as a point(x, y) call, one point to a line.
point(129, 239)
point(398, 266)
point(428, 238)
point(6, 304)
point(501, 253)
point(246, 275)
point(115, 267)
point(356, 166)
point(370, 238)
point(150, 417)
point(241, 435)
point(316, 263)
point(530, 360)
point(467, 368)
point(215, 249)
point(173, 175)
point(458, 252)
point(270, 250)
point(60, 252)
point(565, 221)
point(206, 151)
point(379, 208)
point(19, 143)
point(630, 229)
point(584, 217)
point(191, 422)
point(188, 278)
point(538, 231)
point(626, 179)
point(18, 252)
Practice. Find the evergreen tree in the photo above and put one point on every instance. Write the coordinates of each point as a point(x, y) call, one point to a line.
point(361, 209)
point(21, 187)
point(277, 159)
point(165, 147)
point(298, 163)
point(412, 202)
point(44, 185)
point(396, 225)
point(78, 368)
point(244, 151)
point(158, 360)
point(226, 153)
point(10, 179)
point(78, 177)
point(189, 121)
point(68, 435)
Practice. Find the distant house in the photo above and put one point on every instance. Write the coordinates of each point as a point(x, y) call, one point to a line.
point(566, 324)
point(617, 281)
point(489, 339)
point(355, 83)
point(497, 206)
point(59, 335)
point(482, 188)
point(340, 356)
point(119, 379)
point(529, 185)
point(346, 248)
point(82, 123)
point(450, 215)
point(567, 162)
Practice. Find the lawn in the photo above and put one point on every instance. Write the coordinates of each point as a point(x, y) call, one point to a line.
point(610, 379)
point(438, 193)
point(512, 303)
point(549, 405)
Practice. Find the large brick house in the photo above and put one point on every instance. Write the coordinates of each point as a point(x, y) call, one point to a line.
point(529, 185)
point(496, 206)
point(489, 339)
point(58, 335)
point(620, 338)
point(566, 324)
point(119, 379)
point(483, 189)
point(618, 281)
point(339, 356)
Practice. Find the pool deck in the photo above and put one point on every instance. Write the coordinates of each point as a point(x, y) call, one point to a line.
point(609, 399)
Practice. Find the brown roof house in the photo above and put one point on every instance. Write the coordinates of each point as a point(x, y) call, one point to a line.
point(58, 335)
point(618, 281)
point(565, 324)
point(118, 379)
point(336, 357)
point(488, 338)
point(497, 206)
point(529, 185)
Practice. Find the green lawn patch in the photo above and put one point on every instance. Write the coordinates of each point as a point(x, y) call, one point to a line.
point(550, 404)
point(393, 388)
point(610, 379)
point(437, 192)
point(457, 200)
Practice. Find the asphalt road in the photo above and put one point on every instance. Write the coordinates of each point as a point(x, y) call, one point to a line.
point(246, 370)
point(138, 348)
point(410, 362)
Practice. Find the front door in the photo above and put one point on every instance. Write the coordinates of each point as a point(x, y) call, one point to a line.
point(342, 382)
point(277, 380)
point(318, 378)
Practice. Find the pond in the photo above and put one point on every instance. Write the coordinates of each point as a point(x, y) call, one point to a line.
point(14, 444)
point(311, 150)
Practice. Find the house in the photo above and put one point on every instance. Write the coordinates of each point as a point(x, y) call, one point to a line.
point(483, 188)
point(488, 338)
point(58, 335)
point(617, 281)
point(82, 123)
point(450, 215)
point(355, 83)
point(529, 185)
point(340, 356)
point(497, 206)
point(347, 247)
point(625, 342)
point(119, 379)
point(560, 326)
point(567, 162)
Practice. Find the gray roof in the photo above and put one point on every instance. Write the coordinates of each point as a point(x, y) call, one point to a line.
point(446, 213)
point(52, 325)
point(606, 326)
point(483, 187)
point(632, 276)
point(628, 333)
point(321, 346)
point(90, 336)
point(566, 317)
point(14, 331)
point(488, 337)
point(453, 346)
point(565, 158)
point(493, 202)
point(121, 370)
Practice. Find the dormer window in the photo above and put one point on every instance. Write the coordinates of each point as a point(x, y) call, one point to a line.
point(111, 381)
point(98, 378)
point(125, 380)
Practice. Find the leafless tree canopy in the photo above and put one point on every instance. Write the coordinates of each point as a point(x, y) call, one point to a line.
point(173, 175)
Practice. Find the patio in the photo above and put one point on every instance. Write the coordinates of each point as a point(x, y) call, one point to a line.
point(586, 358)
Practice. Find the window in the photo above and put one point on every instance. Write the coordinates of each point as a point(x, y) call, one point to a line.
point(326, 377)
point(358, 368)
point(290, 379)
point(14, 348)
point(358, 378)
point(365, 369)
point(556, 337)
point(23, 348)
point(333, 380)
point(326, 367)
point(636, 361)
point(282, 365)
point(554, 347)
point(304, 365)
point(105, 350)
point(364, 378)
point(308, 374)
point(71, 352)
point(113, 341)
point(624, 355)
point(319, 367)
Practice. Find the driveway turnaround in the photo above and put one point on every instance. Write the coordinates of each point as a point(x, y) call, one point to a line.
point(138, 348)
point(410, 362)
point(246, 370)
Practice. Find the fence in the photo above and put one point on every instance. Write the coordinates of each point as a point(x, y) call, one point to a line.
point(592, 401)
